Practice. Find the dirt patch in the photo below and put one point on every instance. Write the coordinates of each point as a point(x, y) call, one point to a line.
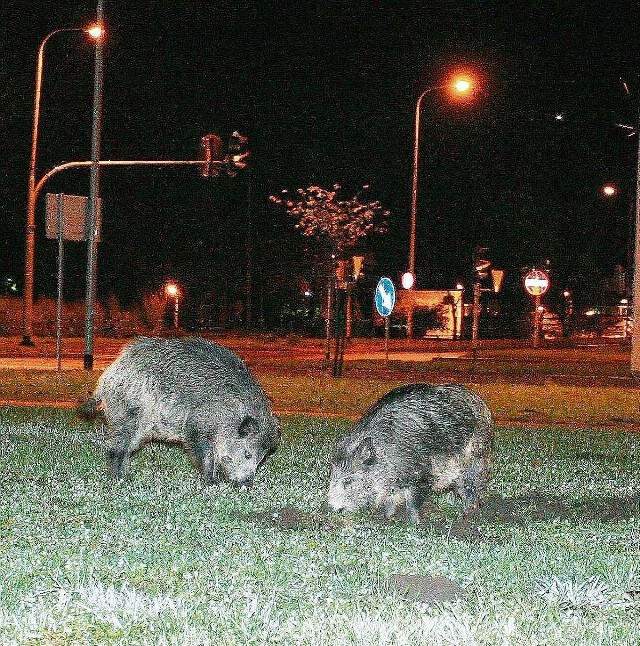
point(475, 526)
point(523, 510)
point(425, 589)
point(291, 518)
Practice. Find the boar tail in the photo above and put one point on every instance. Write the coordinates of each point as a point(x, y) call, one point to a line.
point(90, 408)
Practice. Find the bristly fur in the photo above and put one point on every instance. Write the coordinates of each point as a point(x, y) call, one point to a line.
point(187, 390)
point(414, 440)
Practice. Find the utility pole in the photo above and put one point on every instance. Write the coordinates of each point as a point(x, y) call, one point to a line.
point(635, 336)
point(94, 192)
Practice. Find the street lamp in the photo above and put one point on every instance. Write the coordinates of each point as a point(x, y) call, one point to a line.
point(458, 86)
point(173, 291)
point(96, 32)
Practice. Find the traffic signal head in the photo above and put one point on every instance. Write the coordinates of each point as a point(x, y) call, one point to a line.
point(210, 152)
point(481, 264)
point(237, 153)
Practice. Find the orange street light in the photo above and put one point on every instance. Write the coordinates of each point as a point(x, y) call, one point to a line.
point(462, 85)
point(609, 190)
point(96, 33)
point(173, 291)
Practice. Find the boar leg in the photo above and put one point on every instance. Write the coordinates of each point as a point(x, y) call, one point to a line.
point(119, 463)
point(210, 469)
point(200, 448)
point(390, 506)
point(470, 485)
point(125, 424)
point(416, 497)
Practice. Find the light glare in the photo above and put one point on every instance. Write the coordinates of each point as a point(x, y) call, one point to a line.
point(462, 85)
point(407, 280)
point(171, 289)
point(96, 32)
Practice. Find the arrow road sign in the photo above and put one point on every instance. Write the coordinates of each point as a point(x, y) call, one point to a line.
point(385, 296)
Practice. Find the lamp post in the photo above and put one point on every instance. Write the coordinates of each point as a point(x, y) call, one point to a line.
point(94, 192)
point(635, 335)
point(95, 32)
point(460, 86)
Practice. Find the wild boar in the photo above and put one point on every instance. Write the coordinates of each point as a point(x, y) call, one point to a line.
point(415, 440)
point(190, 391)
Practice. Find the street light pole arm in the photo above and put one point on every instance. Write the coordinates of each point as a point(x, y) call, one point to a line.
point(414, 185)
point(36, 101)
point(118, 162)
point(31, 193)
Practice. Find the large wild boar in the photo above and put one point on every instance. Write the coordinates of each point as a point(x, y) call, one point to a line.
point(190, 391)
point(415, 440)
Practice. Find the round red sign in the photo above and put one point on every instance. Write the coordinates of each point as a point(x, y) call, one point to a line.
point(537, 282)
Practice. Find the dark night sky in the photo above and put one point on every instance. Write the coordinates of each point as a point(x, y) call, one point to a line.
point(326, 92)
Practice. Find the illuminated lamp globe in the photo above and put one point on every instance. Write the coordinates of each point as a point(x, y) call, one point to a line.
point(462, 85)
point(95, 31)
point(408, 280)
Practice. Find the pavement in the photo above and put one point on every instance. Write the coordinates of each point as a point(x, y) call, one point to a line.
point(40, 363)
point(100, 363)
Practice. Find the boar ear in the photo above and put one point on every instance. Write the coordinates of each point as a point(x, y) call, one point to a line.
point(248, 426)
point(366, 452)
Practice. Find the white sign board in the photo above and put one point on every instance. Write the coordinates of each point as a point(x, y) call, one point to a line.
point(75, 209)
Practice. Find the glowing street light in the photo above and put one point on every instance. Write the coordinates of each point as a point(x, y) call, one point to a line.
point(462, 85)
point(96, 32)
point(609, 190)
point(459, 86)
point(173, 291)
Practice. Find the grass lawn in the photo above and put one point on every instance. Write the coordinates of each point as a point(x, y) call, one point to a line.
point(318, 393)
point(552, 558)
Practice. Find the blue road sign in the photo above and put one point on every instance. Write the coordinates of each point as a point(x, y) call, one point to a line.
point(385, 296)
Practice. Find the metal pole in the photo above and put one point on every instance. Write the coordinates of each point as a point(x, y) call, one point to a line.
point(176, 309)
point(249, 250)
point(329, 318)
point(115, 162)
point(348, 313)
point(386, 339)
point(414, 201)
point(635, 335)
point(60, 281)
point(30, 229)
point(94, 192)
point(476, 312)
point(536, 322)
point(414, 184)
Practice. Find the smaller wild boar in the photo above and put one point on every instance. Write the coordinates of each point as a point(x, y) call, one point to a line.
point(415, 440)
point(190, 391)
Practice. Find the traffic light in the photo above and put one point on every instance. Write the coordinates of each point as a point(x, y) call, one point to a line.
point(481, 264)
point(211, 152)
point(237, 153)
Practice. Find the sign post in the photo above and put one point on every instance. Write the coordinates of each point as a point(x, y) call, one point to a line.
point(385, 298)
point(536, 283)
point(66, 219)
point(60, 282)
